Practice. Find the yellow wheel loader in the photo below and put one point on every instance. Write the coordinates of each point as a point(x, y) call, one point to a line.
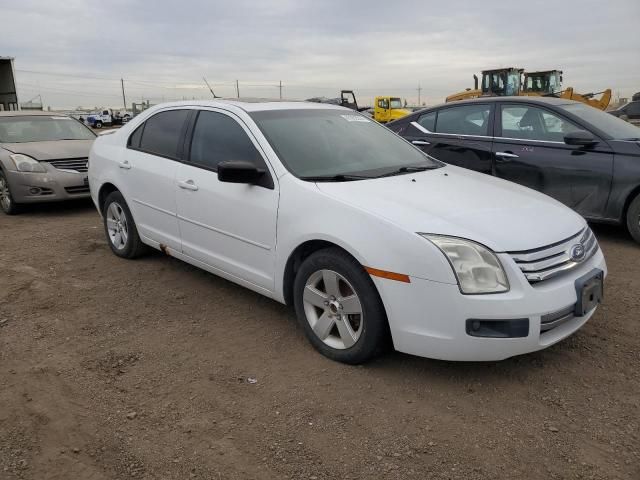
point(540, 83)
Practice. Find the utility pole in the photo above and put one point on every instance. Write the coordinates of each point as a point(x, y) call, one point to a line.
point(280, 89)
point(124, 99)
point(237, 89)
point(419, 91)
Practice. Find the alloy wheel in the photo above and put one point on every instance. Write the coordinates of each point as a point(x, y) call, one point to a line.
point(117, 226)
point(333, 309)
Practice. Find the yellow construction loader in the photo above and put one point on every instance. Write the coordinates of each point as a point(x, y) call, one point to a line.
point(508, 81)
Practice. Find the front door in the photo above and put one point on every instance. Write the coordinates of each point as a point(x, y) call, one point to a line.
point(458, 135)
point(228, 226)
point(529, 149)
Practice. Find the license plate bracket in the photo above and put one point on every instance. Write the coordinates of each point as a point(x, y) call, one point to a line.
point(589, 291)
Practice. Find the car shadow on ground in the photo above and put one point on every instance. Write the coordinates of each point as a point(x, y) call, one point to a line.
point(60, 208)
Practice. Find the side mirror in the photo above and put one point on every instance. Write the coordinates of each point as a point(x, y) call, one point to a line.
point(580, 138)
point(239, 171)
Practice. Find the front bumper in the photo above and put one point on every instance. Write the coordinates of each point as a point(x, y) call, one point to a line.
point(52, 186)
point(429, 318)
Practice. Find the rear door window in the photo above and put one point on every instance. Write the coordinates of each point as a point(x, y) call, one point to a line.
point(162, 133)
point(464, 120)
point(428, 121)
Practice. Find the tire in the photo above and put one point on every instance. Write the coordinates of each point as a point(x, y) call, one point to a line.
point(98, 124)
point(351, 338)
point(120, 229)
point(633, 218)
point(7, 204)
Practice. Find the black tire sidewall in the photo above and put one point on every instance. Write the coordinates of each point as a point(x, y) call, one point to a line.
point(633, 219)
point(375, 334)
point(130, 249)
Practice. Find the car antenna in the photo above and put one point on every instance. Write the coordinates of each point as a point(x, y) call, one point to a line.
point(210, 89)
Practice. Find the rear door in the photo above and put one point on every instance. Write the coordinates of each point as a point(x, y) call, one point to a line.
point(147, 174)
point(529, 149)
point(228, 226)
point(459, 135)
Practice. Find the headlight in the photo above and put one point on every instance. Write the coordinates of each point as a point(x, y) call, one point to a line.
point(25, 163)
point(477, 268)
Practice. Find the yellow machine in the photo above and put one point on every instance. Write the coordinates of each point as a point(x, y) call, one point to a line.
point(387, 109)
point(507, 81)
point(549, 83)
point(500, 81)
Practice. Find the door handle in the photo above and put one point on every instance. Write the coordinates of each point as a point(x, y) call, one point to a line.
point(420, 142)
point(504, 157)
point(188, 185)
point(125, 164)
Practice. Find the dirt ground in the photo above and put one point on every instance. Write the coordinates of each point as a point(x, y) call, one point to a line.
point(153, 369)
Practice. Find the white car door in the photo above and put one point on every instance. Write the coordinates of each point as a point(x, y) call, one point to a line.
point(148, 170)
point(231, 227)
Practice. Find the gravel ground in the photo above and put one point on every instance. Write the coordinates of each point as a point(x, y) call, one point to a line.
point(115, 369)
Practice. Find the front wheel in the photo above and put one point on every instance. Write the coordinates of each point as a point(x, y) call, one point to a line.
point(120, 228)
point(633, 218)
point(339, 308)
point(7, 204)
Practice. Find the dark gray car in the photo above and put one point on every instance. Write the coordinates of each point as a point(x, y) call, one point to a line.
point(43, 158)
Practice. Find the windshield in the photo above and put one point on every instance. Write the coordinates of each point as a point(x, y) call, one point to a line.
point(614, 127)
point(328, 143)
point(43, 128)
point(396, 103)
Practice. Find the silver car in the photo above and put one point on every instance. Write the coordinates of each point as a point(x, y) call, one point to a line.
point(43, 158)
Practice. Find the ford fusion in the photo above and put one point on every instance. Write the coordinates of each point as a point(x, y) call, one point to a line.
point(43, 158)
point(373, 242)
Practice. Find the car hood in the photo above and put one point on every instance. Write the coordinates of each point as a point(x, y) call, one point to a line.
point(51, 150)
point(461, 203)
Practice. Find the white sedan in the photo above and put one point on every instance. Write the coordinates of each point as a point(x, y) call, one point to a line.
point(373, 242)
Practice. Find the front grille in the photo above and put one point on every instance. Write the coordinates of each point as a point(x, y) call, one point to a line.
point(555, 319)
point(547, 262)
point(78, 189)
point(74, 164)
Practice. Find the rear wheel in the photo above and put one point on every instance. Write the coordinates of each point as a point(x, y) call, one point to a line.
point(339, 308)
point(98, 124)
point(7, 204)
point(633, 218)
point(120, 228)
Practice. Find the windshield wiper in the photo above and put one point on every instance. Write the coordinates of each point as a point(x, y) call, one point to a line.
point(334, 178)
point(407, 169)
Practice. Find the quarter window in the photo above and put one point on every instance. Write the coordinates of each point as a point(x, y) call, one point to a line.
point(162, 132)
point(218, 138)
point(428, 121)
point(464, 120)
point(533, 123)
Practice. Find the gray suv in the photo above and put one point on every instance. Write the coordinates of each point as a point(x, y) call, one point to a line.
point(43, 158)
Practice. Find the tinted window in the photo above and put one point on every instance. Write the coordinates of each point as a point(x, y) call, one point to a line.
point(219, 138)
point(633, 108)
point(134, 139)
point(533, 123)
point(326, 142)
point(428, 121)
point(464, 120)
point(162, 133)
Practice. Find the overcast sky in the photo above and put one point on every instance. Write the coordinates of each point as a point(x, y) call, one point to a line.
point(163, 48)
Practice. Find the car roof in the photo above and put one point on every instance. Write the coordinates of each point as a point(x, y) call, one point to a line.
point(254, 104)
point(25, 113)
point(518, 99)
